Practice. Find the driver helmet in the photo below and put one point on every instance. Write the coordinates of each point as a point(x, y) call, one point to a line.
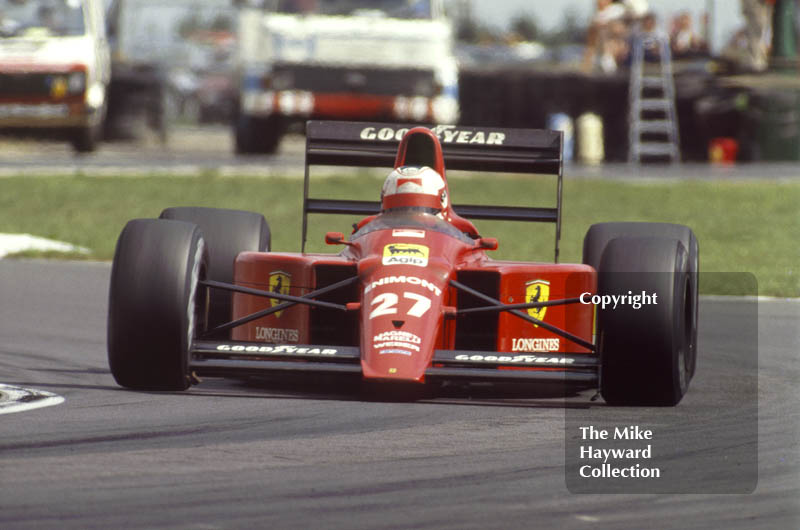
point(414, 187)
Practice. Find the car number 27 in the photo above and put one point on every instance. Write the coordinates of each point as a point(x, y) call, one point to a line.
point(387, 304)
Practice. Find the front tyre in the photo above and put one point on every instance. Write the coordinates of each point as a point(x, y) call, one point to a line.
point(155, 303)
point(646, 351)
point(599, 235)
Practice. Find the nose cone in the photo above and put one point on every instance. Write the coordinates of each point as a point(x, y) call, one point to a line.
point(404, 272)
point(401, 321)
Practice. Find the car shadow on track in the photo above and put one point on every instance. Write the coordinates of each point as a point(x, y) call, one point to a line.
point(55, 386)
point(338, 389)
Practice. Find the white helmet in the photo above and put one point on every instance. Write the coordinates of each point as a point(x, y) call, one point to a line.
point(409, 186)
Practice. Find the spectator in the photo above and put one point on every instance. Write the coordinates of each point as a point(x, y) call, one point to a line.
point(636, 9)
point(603, 38)
point(758, 31)
point(684, 42)
point(651, 37)
point(607, 39)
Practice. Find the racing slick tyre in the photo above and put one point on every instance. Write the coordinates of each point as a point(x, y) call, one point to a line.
point(154, 303)
point(599, 235)
point(644, 350)
point(226, 233)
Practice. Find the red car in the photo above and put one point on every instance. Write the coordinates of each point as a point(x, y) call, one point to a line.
point(413, 296)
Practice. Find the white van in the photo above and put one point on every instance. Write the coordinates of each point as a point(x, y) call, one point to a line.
point(54, 69)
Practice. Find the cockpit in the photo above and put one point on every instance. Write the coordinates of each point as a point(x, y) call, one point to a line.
point(411, 218)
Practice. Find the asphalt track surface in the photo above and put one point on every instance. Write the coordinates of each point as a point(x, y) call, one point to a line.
point(190, 151)
point(193, 151)
point(229, 454)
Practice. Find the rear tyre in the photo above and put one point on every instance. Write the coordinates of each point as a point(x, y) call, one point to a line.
point(644, 351)
point(599, 235)
point(155, 304)
point(226, 234)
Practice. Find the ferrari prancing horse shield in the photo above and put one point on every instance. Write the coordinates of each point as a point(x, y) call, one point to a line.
point(537, 291)
point(279, 282)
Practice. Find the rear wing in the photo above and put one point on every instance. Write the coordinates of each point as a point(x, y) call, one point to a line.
point(365, 144)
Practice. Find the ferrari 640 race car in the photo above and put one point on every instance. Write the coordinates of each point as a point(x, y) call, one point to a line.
point(413, 297)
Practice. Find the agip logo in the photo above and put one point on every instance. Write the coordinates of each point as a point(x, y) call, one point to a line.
point(537, 291)
point(279, 282)
point(405, 254)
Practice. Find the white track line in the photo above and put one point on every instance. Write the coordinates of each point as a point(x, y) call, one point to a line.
point(18, 399)
point(733, 298)
point(10, 243)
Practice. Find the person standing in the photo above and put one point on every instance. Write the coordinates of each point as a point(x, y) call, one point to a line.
point(758, 32)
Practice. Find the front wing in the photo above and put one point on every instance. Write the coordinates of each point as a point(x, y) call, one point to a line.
point(221, 359)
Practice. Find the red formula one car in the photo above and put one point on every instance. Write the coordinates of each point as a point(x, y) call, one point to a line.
point(413, 297)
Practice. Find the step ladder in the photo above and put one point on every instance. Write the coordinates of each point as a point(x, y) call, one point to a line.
point(653, 121)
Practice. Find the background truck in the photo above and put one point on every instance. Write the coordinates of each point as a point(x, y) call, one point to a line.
point(378, 60)
point(54, 69)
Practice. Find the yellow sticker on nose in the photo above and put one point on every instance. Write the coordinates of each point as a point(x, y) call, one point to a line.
point(405, 254)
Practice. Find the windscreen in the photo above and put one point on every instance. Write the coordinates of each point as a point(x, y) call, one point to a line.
point(29, 18)
point(412, 218)
point(378, 8)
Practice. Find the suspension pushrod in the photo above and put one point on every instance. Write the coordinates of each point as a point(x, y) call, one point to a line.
point(558, 331)
point(270, 294)
point(279, 307)
point(509, 307)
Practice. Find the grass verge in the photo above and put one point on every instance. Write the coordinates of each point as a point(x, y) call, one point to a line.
point(742, 226)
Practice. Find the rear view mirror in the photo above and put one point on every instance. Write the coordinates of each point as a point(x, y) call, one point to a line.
point(334, 238)
point(488, 243)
